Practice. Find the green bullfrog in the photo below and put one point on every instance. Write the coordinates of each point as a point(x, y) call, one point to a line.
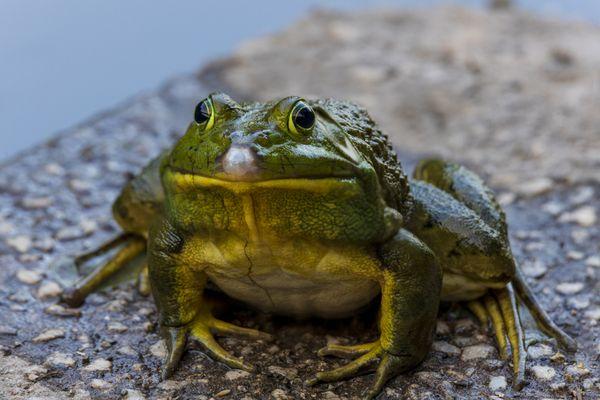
point(301, 208)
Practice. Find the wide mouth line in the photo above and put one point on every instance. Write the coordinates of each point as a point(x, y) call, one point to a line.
point(343, 186)
point(182, 171)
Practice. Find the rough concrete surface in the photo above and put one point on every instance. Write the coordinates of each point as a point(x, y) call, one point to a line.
point(514, 96)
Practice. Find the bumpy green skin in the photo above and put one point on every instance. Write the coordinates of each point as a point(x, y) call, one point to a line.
point(320, 224)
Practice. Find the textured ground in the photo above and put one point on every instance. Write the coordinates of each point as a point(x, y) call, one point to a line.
point(511, 95)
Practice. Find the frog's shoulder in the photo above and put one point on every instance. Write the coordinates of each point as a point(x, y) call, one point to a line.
point(373, 143)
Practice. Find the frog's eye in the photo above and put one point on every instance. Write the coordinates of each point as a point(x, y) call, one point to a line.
point(302, 118)
point(204, 114)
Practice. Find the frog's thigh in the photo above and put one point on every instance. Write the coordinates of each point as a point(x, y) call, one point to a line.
point(411, 284)
point(466, 187)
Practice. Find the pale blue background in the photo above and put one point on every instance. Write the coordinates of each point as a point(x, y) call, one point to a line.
point(64, 60)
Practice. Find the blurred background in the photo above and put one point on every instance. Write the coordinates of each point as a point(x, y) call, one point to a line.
point(63, 61)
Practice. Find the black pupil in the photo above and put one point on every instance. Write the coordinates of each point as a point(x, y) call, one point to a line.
point(202, 113)
point(304, 117)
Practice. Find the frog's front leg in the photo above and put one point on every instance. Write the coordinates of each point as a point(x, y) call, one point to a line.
point(177, 286)
point(410, 291)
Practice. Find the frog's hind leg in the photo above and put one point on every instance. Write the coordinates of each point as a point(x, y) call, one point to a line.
point(132, 246)
point(468, 188)
point(542, 319)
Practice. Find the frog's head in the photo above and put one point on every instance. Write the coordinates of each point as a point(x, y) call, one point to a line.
point(289, 138)
point(282, 168)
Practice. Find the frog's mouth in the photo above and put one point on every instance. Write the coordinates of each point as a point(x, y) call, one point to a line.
point(240, 171)
point(186, 181)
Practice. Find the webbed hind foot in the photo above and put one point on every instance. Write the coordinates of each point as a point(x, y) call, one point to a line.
point(499, 306)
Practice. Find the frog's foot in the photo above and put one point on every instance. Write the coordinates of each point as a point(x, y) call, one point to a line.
point(132, 246)
point(389, 366)
point(500, 307)
point(202, 328)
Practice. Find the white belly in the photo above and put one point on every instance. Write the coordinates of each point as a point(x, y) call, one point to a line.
point(282, 293)
point(298, 279)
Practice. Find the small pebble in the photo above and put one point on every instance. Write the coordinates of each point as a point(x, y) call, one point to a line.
point(33, 203)
point(539, 351)
point(49, 289)
point(553, 208)
point(593, 314)
point(234, 374)
point(88, 226)
point(578, 370)
point(568, 288)
point(69, 233)
point(445, 347)
point(584, 216)
point(159, 349)
point(535, 187)
point(534, 269)
point(54, 169)
point(100, 384)
point(442, 328)
point(477, 352)
point(116, 327)
point(280, 394)
point(79, 185)
point(543, 372)
point(464, 326)
point(46, 244)
point(127, 351)
point(60, 311)
point(60, 359)
point(497, 383)
point(506, 198)
point(329, 395)
point(593, 261)
point(428, 376)
point(223, 393)
point(21, 243)
point(558, 357)
point(289, 373)
point(575, 255)
point(579, 302)
point(6, 330)
point(35, 372)
point(48, 335)
point(99, 364)
point(131, 394)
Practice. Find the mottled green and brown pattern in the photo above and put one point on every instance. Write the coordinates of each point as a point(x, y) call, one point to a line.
point(301, 208)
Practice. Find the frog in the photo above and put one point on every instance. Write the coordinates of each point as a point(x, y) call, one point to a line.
point(301, 208)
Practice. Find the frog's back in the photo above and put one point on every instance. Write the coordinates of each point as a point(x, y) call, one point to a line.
point(372, 142)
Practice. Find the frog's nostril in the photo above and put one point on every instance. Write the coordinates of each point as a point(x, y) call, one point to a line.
point(240, 162)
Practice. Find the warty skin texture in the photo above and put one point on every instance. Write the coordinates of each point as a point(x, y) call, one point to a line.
point(301, 208)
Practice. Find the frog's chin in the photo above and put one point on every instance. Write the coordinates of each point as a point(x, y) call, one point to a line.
point(187, 181)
